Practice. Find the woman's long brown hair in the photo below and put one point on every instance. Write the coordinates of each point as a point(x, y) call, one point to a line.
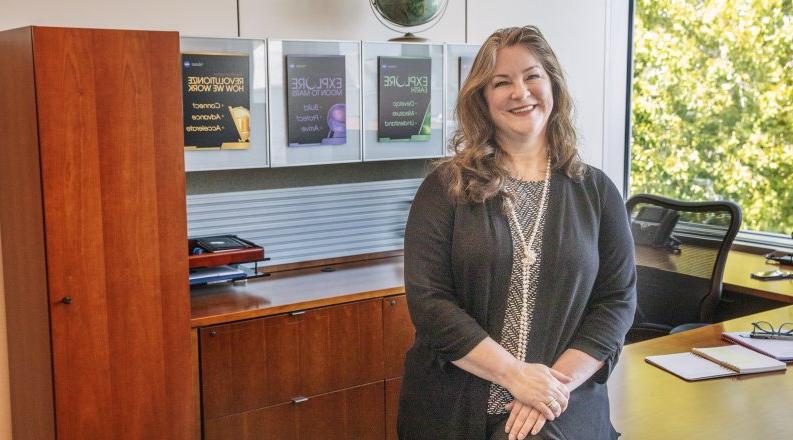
point(477, 171)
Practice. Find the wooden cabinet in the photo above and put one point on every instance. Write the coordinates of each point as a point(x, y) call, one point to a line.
point(392, 389)
point(354, 413)
point(267, 361)
point(399, 334)
point(93, 223)
point(317, 373)
point(285, 359)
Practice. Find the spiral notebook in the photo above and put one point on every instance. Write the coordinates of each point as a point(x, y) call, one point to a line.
point(707, 363)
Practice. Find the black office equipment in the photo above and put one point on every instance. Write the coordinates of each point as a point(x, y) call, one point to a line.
point(222, 243)
point(778, 257)
point(681, 250)
point(653, 226)
point(222, 258)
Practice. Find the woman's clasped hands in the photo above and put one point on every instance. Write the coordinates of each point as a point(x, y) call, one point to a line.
point(540, 393)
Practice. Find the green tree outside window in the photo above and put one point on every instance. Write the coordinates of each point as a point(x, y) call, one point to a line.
point(712, 105)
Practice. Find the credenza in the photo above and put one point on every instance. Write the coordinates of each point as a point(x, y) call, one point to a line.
point(306, 354)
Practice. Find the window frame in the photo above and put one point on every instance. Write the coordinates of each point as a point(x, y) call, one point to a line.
point(747, 240)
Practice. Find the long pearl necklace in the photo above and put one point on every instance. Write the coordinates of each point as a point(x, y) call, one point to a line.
point(528, 258)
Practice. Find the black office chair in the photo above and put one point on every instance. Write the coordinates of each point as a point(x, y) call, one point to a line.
point(681, 249)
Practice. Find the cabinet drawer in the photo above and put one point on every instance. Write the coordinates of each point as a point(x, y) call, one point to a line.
point(267, 361)
point(354, 413)
point(398, 334)
point(392, 389)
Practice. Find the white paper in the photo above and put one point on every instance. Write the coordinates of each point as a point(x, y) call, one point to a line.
point(689, 366)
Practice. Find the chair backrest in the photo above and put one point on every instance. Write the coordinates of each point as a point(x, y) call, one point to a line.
point(681, 249)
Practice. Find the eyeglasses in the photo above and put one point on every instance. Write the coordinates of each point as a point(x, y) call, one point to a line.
point(765, 330)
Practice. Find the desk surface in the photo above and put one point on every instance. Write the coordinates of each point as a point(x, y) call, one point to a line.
point(698, 262)
point(648, 403)
point(306, 288)
point(737, 279)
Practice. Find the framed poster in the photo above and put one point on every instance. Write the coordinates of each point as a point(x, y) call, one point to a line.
point(315, 102)
point(403, 101)
point(224, 91)
point(215, 93)
point(459, 58)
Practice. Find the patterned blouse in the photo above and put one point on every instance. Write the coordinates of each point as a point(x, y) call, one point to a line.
point(527, 203)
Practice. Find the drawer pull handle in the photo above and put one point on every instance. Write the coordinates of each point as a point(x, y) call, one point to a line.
point(299, 399)
point(297, 312)
point(393, 302)
point(213, 333)
point(66, 300)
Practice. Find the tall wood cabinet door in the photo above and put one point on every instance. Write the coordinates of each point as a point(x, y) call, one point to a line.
point(354, 413)
point(109, 106)
point(398, 334)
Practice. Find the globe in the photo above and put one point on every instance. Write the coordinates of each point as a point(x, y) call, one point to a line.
point(408, 13)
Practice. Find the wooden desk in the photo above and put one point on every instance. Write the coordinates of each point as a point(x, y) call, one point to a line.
point(649, 403)
point(697, 262)
point(306, 288)
point(737, 279)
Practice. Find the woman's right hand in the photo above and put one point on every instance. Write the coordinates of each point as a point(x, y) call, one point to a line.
point(537, 385)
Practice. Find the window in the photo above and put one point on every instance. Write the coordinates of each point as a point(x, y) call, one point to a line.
point(712, 106)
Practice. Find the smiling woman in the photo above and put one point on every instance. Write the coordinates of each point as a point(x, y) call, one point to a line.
point(519, 98)
point(509, 344)
point(483, 87)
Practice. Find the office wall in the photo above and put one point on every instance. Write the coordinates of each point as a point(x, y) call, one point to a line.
point(201, 17)
point(590, 37)
point(335, 20)
point(590, 40)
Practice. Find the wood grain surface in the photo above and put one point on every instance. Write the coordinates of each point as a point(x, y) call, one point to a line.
point(737, 277)
point(354, 413)
point(649, 403)
point(110, 120)
point(267, 361)
point(398, 334)
point(22, 229)
point(311, 287)
point(392, 390)
point(301, 289)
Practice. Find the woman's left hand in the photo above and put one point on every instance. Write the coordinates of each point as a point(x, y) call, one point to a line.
point(523, 419)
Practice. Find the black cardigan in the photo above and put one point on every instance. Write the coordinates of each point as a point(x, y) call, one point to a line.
point(458, 259)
